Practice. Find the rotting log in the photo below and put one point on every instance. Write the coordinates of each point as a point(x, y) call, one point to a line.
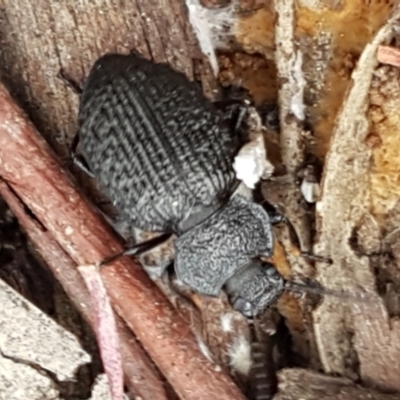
point(30, 169)
point(359, 335)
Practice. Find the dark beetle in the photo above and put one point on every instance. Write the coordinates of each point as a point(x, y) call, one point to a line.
point(163, 154)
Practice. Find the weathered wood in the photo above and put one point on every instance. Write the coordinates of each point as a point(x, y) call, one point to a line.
point(289, 60)
point(304, 384)
point(352, 335)
point(37, 39)
point(139, 371)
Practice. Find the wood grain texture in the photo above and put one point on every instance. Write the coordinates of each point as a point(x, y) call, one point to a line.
point(289, 61)
point(322, 387)
point(37, 39)
point(358, 334)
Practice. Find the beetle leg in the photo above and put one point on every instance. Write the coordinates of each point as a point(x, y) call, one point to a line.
point(135, 53)
point(137, 248)
point(81, 164)
point(269, 113)
point(316, 257)
point(73, 85)
point(77, 159)
point(275, 217)
point(240, 117)
point(235, 113)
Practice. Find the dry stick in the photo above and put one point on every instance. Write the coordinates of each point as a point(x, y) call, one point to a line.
point(29, 167)
point(140, 375)
point(290, 74)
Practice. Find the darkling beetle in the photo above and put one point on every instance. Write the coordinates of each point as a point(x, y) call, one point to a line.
point(163, 155)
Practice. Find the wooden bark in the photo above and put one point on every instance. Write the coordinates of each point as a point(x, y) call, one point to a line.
point(283, 191)
point(289, 61)
point(344, 329)
point(297, 384)
point(38, 38)
point(28, 166)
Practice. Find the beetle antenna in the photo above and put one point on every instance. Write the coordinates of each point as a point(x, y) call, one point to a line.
point(298, 287)
point(137, 249)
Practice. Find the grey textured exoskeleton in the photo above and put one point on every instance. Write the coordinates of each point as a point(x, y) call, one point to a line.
point(163, 154)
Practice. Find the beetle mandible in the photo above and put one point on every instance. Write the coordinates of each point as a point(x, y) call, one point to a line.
point(163, 154)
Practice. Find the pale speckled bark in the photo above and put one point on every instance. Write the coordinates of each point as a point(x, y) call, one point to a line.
point(284, 192)
point(290, 76)
point(295, 384)
point(139, 371)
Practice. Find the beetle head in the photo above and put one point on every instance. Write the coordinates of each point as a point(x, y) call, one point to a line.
point(212, 252)
point(253, 288)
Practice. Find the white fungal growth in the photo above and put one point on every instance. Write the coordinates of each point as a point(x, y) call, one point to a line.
point(297, 103)
point(309, 186)
point(240, 355)
point(212, 27)
point(251, 162)
point(222, 22)
point(310, 190)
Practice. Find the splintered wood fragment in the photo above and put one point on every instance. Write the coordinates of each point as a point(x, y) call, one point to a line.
point(291, 115)
point(284, 191)
point(140, 375)
point(106, 330)
point(28, 166)
point(24, 329)
point(359, 335)
point(289, 66)
point(388, 55)
point(322, 387)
